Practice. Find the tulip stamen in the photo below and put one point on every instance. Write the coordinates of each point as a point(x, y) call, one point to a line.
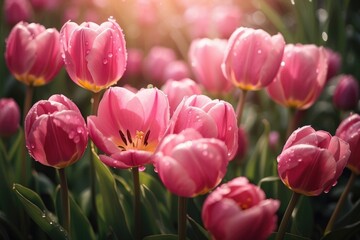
point(146, 138)
point(129, 136)
point(122, 135)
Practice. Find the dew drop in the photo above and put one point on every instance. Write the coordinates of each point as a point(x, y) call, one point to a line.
point(142, 168)
point(229, 128)
point(259, 51)
point(205, 153)
point(282, 64)
point(79, 130)
point(110, 55)
point(71, 135)
point(87, 52)
point(86, 43)
point(51, 223)
point(76, 139)
point(105, 61)
point(63, 55)
point(300, 160)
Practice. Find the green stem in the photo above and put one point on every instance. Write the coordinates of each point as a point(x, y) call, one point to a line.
point(64, 200)
point(285, 220)
point(340, 203)
point(182, 217)
point(136, 181)
point(240, 105)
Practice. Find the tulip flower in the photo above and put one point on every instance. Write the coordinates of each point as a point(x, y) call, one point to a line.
point(206, 56)
point(312, 161)
point(238, 210)
point(252, 58)
point(27, 57)
point(129, 126)
point(211, 118)
point(55, 132)
point(301, 77)
point(346, 94)
point(349, 131)
point(94, 55)
point(176, 70)
point(16, 11)
point(334, 63)
point(9, 117)
point(180, 161)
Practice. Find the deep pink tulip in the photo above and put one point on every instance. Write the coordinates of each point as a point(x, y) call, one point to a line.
point(349, 131)
point(301, 77)
point(129, 126)
point(190, 165)
point(45, 4)
point(95, 55)
point(206, 56)
point(177, 90)
point(9, 117)
point(55, 132)
point(346, 94)
point(211, 118)
point(33, 53)
point(252, 58)
point(176, 70)
point(155, 64)
point(238, 210)
point(334, 63)
point(243, 144)
point(16, 11)
point(312, 161)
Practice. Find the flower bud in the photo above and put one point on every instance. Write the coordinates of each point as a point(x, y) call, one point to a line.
point(9, 117)
point(346, 94)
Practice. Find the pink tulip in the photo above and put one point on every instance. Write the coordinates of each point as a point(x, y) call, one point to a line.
point(176, 70)
point(190, 165)
point(206, 56)
point(55, 132)
point(16, 11)
point(334, 63)
point(27, 57)
point(95, 55)
point(134, 62)
point(9, 117)
point(129, 126)
point(346, 94)
point(243, 144)
point(211, 118)
point(349, 131)
point(45, 4)
point(226, 18)
point(301, 77)
point(177, 90)
point(312, 161)
point(252, 58)
point(238, 210)
point(155, 64)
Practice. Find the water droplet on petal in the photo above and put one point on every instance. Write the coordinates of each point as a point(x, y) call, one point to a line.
point(110, 55)
point(76, 139)
point(71, 135)
point(142, 168)
point(282, 64)
point(105, 61)
point(259, 51)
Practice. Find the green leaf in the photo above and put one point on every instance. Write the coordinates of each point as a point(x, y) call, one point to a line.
point(79, 224)
point(113, 212)
point(11, 231)
point(162, 237)
point(288, 236)
point(268, 179)
point(302, 218)
point(352, 216)
point(199, 231)
point(343, 233)
point(36, 209)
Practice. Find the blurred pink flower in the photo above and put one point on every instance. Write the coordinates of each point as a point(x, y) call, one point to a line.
point(26, 57)
point(226, 18)
point(238, 210)
point(16, 11)
point(334, 63)
point(176, 70)
point(312, 161)
point(206, 56)
point(252, 58)
point(349, 131)
point(45, 4)
point(134, 62)
point(243, 144)
point(190, 165)
point(301, 77)
point(211, 118)
point(55, 132)
point(95, 55)
point(9, 117)
point(346, 94)
point(129, 126)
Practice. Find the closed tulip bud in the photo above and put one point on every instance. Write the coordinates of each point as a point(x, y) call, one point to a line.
point(94, 55)
point(312, 161)
point(27, 57)
point(176, 70)
point(301, 77)
point(334, 63)
point(9, 117)
point(177, 90)
point(55, 132)
point(211, 118)
point(238, 210)
point(17, 11)
point(346, 94)
point(190, 165)
point(349, 131)
point(206, 54)
point(252, 58)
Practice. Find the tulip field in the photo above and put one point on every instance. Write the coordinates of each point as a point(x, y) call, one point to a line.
point(179, 119)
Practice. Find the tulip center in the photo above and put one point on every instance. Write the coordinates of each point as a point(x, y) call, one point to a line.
point(246, 203)
point(138, 142)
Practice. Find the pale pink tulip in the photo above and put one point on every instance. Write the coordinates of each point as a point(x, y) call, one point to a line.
point(238, 210)
point(312, 161)
point(129, 126)
point(55, 132)
point(252, 58)
point(211, 118)
point(176, 70)
point(301, 77)
point(190, 165)
point(9, 117)
point(27, 57)
point(206, 56)
point(95, 55)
